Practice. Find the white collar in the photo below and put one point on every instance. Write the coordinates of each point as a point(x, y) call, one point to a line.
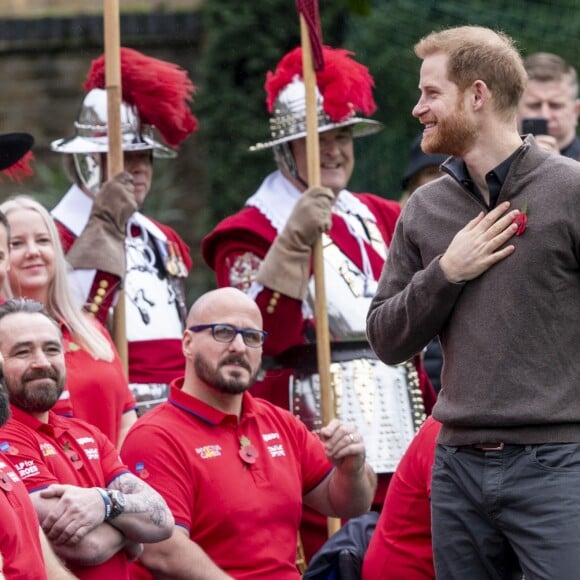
point(74, 209)
point(276, 197)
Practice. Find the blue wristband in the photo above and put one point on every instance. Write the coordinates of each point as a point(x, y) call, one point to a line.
point(107, 502)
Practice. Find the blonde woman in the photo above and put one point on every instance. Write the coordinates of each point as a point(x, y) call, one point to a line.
point(96, 388)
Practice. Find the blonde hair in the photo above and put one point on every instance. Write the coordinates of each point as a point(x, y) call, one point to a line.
point(61, 304)
point(478, 53)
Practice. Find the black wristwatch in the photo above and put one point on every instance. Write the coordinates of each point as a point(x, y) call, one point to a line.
point(117, 500)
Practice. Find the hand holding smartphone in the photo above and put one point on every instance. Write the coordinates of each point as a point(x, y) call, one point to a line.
point(535, 126)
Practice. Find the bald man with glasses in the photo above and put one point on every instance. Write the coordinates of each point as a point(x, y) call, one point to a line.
point(234, 469)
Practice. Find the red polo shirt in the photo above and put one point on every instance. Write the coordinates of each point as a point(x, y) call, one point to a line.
point(68, 451)
point(235, 485)
point(19, 540)
point(400, 548)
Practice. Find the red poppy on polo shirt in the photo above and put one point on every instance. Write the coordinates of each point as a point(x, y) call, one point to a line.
point(5, 481)
point(247, 451)
point(521, 220)
point(73, 456)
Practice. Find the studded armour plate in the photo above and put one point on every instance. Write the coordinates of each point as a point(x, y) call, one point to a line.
point(384, 402)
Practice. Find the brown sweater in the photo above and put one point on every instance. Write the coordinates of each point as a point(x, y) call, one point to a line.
point(511, 337)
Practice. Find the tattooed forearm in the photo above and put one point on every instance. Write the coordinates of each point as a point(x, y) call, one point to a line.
point(146, 517)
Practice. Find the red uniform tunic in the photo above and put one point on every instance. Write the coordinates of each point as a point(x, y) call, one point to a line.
point(96, 391)
point(19, 540)
point(234, 250)
point(241, 505)
point(67, 451)
point(158, 261)
point(249, 233)
point(400, 548)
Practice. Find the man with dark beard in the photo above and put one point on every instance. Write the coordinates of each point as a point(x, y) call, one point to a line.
point(24, 550)
point(94, 512)
point(236, 469)
point(504, 217)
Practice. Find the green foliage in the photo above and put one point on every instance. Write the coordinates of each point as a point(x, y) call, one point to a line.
point(384, 42)
point(360, 7)
point(46, 186)
point(244, 40)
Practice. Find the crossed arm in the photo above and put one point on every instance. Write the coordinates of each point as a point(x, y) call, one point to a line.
point(73, 519)
point(55, 569)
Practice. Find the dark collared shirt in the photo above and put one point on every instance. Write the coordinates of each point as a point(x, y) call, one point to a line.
point(572, 150)
point(494, 178)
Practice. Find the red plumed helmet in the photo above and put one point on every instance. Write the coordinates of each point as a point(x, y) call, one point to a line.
point(159, 90)
point(156, 95)
point(344, 89)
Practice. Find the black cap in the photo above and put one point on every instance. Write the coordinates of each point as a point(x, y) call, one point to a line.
point(419, 160)
point(13, 147)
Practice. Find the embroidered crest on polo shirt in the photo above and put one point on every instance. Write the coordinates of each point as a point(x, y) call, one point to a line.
point(26, 468)
point(92, 452)
point(277, 450)
point(270, 436)
point(47, 449)
point(209, 451)
point(7, 471)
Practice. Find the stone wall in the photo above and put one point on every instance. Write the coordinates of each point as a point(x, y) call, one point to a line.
point(41, 80)
point(43, 8)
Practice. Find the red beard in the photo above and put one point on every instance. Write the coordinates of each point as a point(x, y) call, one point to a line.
point(453, 135)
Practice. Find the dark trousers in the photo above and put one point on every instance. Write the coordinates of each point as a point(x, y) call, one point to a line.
point(492, 509)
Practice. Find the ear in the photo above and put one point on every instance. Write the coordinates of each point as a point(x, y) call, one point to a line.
point(480, 95)
point(186, 343)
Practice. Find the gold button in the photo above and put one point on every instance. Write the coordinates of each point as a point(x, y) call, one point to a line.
point(101, 292)
point(98, 299)
point(93, 308)
point(270, 309)
point(104, 283)
point(276, 295)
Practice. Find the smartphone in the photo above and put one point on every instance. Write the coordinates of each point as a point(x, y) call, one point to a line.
point(535, 126)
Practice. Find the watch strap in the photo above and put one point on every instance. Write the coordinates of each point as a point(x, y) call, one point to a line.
point(107, 500)
point(117, 503)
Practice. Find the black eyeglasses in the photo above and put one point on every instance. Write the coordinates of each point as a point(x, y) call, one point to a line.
point(227, 333)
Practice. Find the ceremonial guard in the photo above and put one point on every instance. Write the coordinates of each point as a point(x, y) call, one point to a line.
point(265, 250)
point(107, 239)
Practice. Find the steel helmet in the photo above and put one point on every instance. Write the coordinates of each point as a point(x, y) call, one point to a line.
point(91, 130)
point(156, 96)
point(344, 89)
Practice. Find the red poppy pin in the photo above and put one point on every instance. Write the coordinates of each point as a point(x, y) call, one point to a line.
point(247, 451)
point(5, 482)
point(521, 220)
point(73, 456)
point(141, 470)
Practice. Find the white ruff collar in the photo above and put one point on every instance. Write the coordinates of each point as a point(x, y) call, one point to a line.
point(74, 210)
point(276, 197)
